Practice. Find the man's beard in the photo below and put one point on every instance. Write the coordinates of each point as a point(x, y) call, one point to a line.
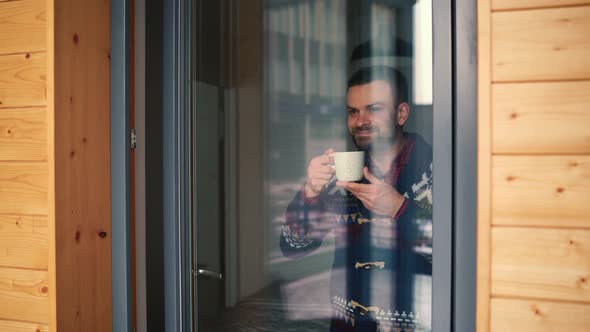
point(375, 142)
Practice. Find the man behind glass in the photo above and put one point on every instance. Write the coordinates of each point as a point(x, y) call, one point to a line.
point(374, 219)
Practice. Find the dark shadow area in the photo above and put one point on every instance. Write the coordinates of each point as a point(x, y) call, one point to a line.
point(153, 167)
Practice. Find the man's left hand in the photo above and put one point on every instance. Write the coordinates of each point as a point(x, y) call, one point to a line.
point(377, 196)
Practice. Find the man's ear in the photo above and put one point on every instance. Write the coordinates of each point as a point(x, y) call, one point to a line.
point(403, 113)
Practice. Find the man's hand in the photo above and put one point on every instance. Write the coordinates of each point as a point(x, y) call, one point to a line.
point(319, 173)
point(377, 196)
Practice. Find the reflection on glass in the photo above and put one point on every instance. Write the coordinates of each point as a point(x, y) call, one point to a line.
point(355, 254)
point(351, 252)
point(361, 249)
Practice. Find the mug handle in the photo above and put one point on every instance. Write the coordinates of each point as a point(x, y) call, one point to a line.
point(331, 155)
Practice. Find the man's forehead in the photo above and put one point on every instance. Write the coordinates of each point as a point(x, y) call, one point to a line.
point(374, 91)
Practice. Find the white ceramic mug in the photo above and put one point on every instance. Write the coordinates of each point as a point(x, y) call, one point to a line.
point(349, 165)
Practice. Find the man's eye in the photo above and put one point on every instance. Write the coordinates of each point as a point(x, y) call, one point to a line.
point(375, 108)
point(352, 111)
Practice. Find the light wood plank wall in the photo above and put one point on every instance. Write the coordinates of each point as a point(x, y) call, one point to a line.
point(533, 165)
point(24, 209)
point(55, 247)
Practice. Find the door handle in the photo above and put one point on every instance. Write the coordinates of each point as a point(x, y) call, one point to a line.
point(208, 274)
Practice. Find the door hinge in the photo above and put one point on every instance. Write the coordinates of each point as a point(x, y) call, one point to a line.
point(133, 138)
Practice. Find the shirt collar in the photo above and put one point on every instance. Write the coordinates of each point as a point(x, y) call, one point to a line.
point(399, 161)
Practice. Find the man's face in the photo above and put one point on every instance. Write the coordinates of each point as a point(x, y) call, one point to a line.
point(372, 116)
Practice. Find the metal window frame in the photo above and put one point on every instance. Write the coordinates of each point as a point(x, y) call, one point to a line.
point(442, 159)
point(464, 164)
point(120, 166)
point(176, 165)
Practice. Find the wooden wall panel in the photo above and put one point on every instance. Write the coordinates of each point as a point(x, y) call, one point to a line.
point(24, 252)
point(533, 95)
point(522, 4)
point(541, 263)
point(23, 188)
point(23, 295)
point(22, 80)
point(541, 191)
point(541, 117)
point(544, 44)
point(23, 241)
point(539, 316)
point(12, 326)
point(82, 165)
point(22, 26)
point(23, 134)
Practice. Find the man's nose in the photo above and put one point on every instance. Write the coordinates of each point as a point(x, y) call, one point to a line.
point(364, 118)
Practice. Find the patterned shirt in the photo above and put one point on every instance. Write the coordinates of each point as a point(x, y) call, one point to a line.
point(375, 260)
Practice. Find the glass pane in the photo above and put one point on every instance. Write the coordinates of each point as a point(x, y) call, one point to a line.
point(312, 132)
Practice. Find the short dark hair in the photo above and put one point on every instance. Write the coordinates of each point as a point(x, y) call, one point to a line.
point(396, 80)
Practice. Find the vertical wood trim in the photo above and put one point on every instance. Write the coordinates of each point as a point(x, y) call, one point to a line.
point(50, 113)
point(484, 151)
point(83, 264)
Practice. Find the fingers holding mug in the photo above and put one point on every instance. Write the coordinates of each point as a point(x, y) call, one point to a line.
point(319, 173)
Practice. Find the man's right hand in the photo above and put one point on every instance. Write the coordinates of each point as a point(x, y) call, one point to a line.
point(319, 173)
